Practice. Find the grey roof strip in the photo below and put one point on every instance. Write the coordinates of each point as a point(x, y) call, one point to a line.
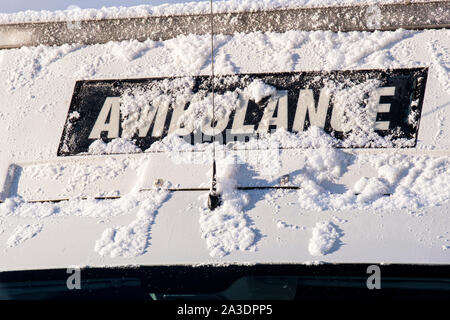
point(423, 15)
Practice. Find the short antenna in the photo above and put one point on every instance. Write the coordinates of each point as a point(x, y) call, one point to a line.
point(214, 199)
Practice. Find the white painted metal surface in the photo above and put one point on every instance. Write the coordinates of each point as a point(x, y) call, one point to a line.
point(35, 96)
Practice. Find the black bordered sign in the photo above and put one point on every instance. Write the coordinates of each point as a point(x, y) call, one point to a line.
point(301, 99)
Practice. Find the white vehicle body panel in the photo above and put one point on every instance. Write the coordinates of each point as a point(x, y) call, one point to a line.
point(35, 96)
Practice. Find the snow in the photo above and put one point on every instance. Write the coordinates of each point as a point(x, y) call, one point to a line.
point(258, 90)
point(34, 63)
point(325, 237)
point(139, 107)
point(132, 49)
point(357, 120)
point(80, 176)
point(227, 228)
point(411, 182)
point(389, 173)
point(37, 87)
point(369, 189)
point(282, 224)
point(133, 240)
point(201, 7)
point(190, 55)
point(118, 145)
point(23, 233)
point(441, 63)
